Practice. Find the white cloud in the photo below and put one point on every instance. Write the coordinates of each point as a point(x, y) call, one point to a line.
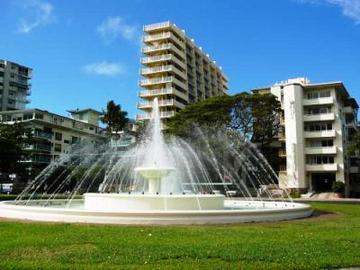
point(115, 27)
point(349, 8)
point(39, 13)
point(104, 68)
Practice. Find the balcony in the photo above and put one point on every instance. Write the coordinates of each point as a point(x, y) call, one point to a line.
point(332, 150)
point(159, 80)
point(348, 110)
point(318, 101)
point(320, 134)
point(157, 58)
point(156, 26)
point(319, 117)
point(163, 35)
point(161, 47)
point(354, 169)
point(282, 153)
point(322, 167)
point(152, 70)
point(148, 116)
point(161, 103)
point(156, 92)
point(42, 135)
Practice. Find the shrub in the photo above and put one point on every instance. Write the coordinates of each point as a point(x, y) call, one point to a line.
point(338, 187)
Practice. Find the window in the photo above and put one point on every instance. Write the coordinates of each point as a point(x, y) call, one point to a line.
point(57, 147)
point(318, 94)
point(74, 139)
point(319, 160)
point(39, 116)
point(58, 136)
point(28, 116)
point(314, 127)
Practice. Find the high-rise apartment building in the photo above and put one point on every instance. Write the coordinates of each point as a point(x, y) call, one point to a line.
point(318, 122)
point(176, 71)
point(14, 86)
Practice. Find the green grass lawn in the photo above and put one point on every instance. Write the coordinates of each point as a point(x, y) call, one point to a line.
point(323, 242)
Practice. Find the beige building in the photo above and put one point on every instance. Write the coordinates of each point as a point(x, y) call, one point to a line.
point(55, 134)
point(318, 122)
point(14, 85)
point(176, 71)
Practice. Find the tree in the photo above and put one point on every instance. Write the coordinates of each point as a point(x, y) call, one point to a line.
point(213, 111)
point(13, 138)
point(114, 117)
point(355, 143)
point(256, 116)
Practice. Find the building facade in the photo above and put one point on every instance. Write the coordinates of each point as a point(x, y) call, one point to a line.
point(54, 134)
point(14, 86)
point(176, 71)
point(318, 122)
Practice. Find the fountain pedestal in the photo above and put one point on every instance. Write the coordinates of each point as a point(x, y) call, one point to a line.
point(154, 176)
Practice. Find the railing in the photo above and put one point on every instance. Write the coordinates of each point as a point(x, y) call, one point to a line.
point(320, 134)
point(149, 115)
point(157, 36)
point(156, 69)
point(319, 117)
point(156, 80)
point(150, 59)
point(156, 48)
point(318, 101)
point(156, 26)
point(163, 102)
point(44, 135)
point(153, 92)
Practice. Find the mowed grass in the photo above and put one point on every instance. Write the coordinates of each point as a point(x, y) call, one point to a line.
point(323, 242)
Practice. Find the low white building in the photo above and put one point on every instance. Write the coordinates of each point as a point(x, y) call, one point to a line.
point(318, 121)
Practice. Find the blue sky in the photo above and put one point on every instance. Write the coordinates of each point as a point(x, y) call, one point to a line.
point(85, 53)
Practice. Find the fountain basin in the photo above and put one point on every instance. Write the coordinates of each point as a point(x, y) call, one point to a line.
point(154, 172)
point(142, 202)
point(235, 211)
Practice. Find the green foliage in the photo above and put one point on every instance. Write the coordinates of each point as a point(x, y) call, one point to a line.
point(13, 138)
point(355, 143)
point(295, 194)
point(338, 187)
point(114, 117)
point(314, 243)
point(213, 111)
point(256, 116)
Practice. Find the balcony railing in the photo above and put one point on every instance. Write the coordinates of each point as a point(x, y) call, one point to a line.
point(282, 153)
point(156, 81)
point(319, 117)
point(149, 104)
point(151, 70)
point(322, 167)
point(331, 150)
point(156, 26)
point(156, 48)
point(156, 92)
point(156, 58)
point(43, 135)
point(147, 116)
point(318, 101)
point(157, 36)
point(320, 134)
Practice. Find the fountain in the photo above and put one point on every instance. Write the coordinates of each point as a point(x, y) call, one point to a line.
point(157, 182)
